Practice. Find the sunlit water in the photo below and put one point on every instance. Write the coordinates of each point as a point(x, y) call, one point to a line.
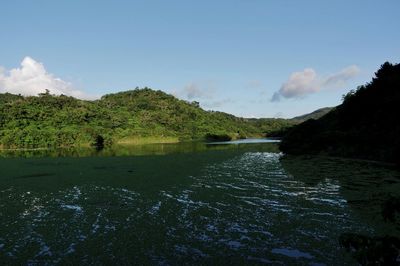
point(195, 205)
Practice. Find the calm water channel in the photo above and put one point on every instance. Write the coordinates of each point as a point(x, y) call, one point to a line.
point(188, 203)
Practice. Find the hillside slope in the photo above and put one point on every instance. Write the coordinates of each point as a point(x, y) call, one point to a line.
point(366, 125)
point(313, 115)
point(48, 120)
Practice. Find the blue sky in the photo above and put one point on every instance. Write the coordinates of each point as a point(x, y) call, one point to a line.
point(232, 56)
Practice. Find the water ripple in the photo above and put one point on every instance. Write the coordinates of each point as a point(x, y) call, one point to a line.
point(247, 208)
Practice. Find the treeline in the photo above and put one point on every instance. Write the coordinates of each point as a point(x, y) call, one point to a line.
point(52, 121)
point(366, 125)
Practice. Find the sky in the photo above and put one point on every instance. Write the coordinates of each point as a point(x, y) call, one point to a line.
point(250, 58)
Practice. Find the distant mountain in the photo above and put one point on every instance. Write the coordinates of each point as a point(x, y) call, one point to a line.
point(125, 117)
point(313, 115)
point(366, 125)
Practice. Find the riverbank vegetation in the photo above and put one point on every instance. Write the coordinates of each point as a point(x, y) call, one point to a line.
point(134, 117)
point(366, 125)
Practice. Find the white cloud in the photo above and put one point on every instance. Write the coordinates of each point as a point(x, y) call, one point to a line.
point(204, 92)
point(31, 78)
point(340, 78)
point(216, 104)
point(300, 84)
point(193, 91)
point(307, 81)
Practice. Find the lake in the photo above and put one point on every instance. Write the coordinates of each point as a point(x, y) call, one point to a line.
point(188, 203)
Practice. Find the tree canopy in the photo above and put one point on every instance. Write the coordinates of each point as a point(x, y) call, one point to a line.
point(50, 121)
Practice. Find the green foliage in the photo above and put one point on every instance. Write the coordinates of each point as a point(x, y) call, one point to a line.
point(52, 121)
point(215, 137)
point(366, 125)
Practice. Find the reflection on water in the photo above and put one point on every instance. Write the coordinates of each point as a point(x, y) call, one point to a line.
point(139, 150)
point(366, 186)
point(196, 205)
point(247, 141)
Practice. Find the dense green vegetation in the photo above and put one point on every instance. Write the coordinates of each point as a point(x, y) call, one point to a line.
point(126, 117)
point(366, 125)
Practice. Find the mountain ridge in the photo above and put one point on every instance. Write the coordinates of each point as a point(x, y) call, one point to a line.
point(366, 125)
point(51, 121)
point(313, 115)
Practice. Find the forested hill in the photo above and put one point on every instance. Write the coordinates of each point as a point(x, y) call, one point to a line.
point(48, 120)
point(313, 115)
point(366, 125)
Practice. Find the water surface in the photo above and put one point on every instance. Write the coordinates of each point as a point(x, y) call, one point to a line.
point(187, 203)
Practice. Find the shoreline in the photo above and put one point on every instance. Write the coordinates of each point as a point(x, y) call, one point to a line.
point(129, 141)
